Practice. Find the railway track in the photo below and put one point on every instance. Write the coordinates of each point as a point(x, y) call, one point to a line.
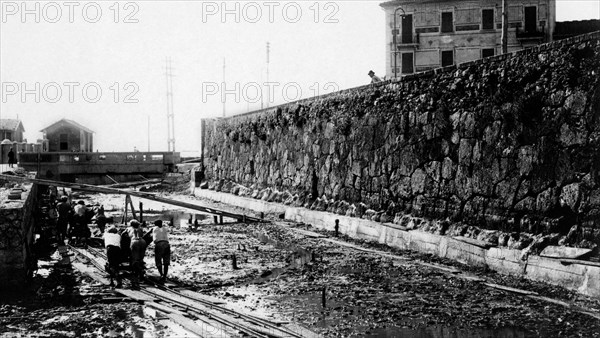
point(213, 316)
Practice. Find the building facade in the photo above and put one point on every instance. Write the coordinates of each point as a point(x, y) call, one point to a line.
point(11, 129)
point(426, 34)
point(67, 135)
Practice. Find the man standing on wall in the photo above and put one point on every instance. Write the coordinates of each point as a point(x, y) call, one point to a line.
point(374, 78)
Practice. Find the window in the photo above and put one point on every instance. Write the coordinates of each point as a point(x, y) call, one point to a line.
point(530, 19)
point(9, 136)
point(447, 58)
point(407, 63)
point(487, 19)
point(407, 23)
point(487, 52)
point(64, 142)
point(447, 22)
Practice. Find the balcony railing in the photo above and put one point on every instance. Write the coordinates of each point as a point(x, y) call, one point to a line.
point(407, 40)
point(538, 34)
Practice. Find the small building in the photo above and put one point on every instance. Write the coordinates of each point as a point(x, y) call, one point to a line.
point(422, 35)
point(11, 129)
point(68, 135)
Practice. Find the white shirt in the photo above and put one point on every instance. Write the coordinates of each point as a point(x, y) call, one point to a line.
point(112, 239)
point(160, 234)
point(80, 209)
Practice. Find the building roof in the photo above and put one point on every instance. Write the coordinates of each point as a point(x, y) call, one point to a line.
point(11, 124)
point(67, 121)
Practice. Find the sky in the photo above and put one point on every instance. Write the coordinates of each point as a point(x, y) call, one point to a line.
point(102, 63)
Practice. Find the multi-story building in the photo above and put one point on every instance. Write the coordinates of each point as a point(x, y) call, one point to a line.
point(426, 34)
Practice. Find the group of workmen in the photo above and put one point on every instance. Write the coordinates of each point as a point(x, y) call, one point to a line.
point(132, 243)
point(128, 245)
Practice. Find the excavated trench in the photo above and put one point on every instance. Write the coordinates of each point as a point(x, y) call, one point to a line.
point(339, 291)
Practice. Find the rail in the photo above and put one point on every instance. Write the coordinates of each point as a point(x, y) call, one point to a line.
point(248, 324)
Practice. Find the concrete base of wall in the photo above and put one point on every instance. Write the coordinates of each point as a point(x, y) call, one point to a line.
point(584, 279)
point(17, 260)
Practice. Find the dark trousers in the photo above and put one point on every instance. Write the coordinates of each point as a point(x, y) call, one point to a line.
point(113, 253)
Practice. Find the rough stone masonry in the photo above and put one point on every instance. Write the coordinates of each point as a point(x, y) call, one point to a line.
point(507, 143)
point(17, 260)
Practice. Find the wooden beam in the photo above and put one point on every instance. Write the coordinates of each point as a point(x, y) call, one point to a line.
point(146, 195)
point(112, 179)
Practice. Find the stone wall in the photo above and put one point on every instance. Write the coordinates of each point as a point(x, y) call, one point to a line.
point(16, 236)
point(509, 143)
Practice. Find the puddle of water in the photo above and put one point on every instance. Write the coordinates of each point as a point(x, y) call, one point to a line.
point(444, 332)
point(298, 258)
point(309, 307)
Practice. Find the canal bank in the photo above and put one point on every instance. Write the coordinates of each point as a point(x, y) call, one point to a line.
point(580, 276)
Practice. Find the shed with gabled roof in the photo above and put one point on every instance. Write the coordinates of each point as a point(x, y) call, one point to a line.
point(68, 135)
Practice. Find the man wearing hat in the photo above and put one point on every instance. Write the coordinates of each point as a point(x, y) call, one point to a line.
point(138, 249)
point(374, 78)
point(162, 249)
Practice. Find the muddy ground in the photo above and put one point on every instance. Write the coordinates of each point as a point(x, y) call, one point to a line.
point(283, 275)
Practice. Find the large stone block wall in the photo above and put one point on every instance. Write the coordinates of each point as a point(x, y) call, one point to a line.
point(16, 236)
point(510, 142)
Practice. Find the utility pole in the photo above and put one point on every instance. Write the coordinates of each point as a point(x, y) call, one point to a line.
point(148, 133)
point(224, 97)
point(504, 26)
point(268, 91)
point(170, 112)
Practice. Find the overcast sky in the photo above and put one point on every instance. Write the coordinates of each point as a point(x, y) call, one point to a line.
point(78, 47)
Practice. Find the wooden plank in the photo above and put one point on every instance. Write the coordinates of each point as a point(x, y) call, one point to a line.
point(507, 288)
point(112, 179)
point(472, 278)
point(200, 296)
point(359, 248)
point(133, 184)
point(128, 200)
point(190, 325)
point(475, 242)
point(86, 270)
point(553, 251)
point(137, 295)
point(146, 195)
point(550, 300)
point(440, 267)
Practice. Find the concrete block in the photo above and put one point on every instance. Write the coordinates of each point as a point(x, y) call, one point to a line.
point(465, 253)
point(564, 252)
point(547, 269)
point(505, 260)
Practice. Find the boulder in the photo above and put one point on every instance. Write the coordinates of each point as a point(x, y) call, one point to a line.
point(351, 211)
point(368, 214)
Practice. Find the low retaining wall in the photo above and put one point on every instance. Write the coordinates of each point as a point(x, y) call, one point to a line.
point(582, 278)
point(17, 261)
